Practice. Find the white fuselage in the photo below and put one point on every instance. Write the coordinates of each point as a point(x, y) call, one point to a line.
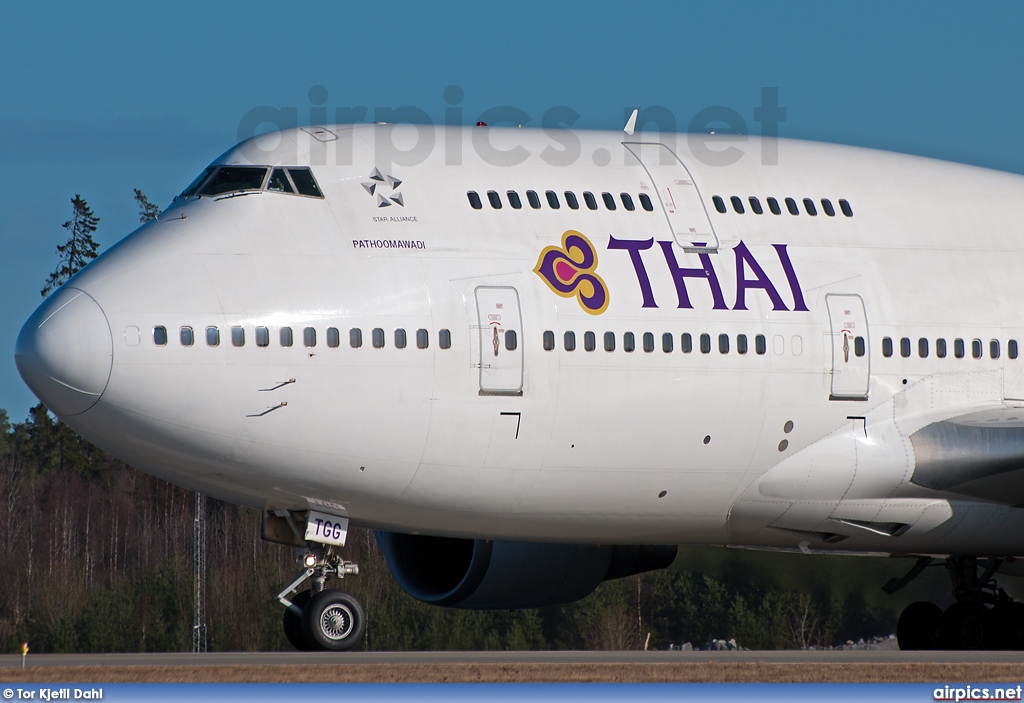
point(806, 444)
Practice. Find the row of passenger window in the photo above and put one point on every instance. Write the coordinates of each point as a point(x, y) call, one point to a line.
point(647, 342)
point(553, 201)
point(959, 348)
point(810, 207)
point(286, 337)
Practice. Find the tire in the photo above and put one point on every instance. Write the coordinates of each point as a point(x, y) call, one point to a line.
point(334, 620)
point(293, 623)
point(920, 627)
point(1008, 625)
point(967, 626)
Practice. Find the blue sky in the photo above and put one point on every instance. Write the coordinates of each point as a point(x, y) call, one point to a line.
point(102, 98)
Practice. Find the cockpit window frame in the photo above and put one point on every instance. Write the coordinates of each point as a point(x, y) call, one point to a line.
point(195, 188)
point(226, 193)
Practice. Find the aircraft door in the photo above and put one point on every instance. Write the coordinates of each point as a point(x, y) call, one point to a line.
point(501, 340)
point(851, 350)
point(677, 195)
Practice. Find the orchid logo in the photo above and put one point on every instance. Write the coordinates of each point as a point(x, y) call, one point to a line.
point(570, 270)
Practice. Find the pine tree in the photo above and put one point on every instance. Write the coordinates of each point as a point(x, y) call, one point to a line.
point(147, 210)
point(79, 249)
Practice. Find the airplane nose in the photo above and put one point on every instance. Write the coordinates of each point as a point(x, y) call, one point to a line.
point(65, 351)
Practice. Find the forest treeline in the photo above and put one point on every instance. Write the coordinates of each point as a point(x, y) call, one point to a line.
point(97, 557)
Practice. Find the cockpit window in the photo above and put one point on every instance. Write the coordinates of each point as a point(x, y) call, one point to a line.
point(304, 182)
point(231, 179)
point(279, 182)
point(194, 186)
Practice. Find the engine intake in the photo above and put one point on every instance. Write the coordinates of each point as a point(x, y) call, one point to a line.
point(484, 574)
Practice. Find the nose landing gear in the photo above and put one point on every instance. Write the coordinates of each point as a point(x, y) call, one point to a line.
point(322, 618)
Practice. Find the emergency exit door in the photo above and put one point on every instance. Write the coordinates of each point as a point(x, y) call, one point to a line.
point(677, 195)
point(501, 340)
point(851, 353)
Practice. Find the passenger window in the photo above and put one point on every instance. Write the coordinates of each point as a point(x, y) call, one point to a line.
point(723, 344)
point(355, 338)
point(773, 205)
point(212, 337)
point(262, 337)
point(922, 348)
point(976, 348)
point(645, 202)
point(377, 338)
point(886, 346)
point(940, 348)
point(590, 200)
point(741, 344)
point(511, 340)
point(308, 337)
point(686, 343)
point(705, 343)
point(755, 205)
point(737, 204)
point(809, 207)
point(993, 348)
point(286, 336)
point(549, 340)
point(845, 207)
point(333, 337)
point(422, 339)
point(569, 341)
point(826, 205)
point(609, 341)
point(474, 200)
point(791, 206)
point(160, 336)
point(186, 336)
point(400, 339)
point(627, 201)
point(609, 201)
point(237, 336)
point(571, 201)
point(719, 204)
point(589, 341)
point(552, 197)
point(905, 347)
point(666, 342)
point(958, 348)
point(859, 346)
point(304, 182)
point(534, 199)
point(494, 199)
point(1011, 349)
point(514, 201)
point(279, 182)
point(760, 344)
point(648, 342)
point(444, 339)
point(628, 342)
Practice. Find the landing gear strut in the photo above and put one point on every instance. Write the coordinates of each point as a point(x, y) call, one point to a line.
point(322, 618)
point(983, 617)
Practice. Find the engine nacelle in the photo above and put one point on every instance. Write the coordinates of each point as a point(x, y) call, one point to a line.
point(484, 574)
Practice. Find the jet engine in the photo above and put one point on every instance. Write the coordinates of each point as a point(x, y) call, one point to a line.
point(484, 574)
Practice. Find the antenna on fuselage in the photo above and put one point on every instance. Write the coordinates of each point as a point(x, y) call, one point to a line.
point(631, 122)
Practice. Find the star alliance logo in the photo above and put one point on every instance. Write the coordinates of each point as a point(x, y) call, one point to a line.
point(378, 182)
